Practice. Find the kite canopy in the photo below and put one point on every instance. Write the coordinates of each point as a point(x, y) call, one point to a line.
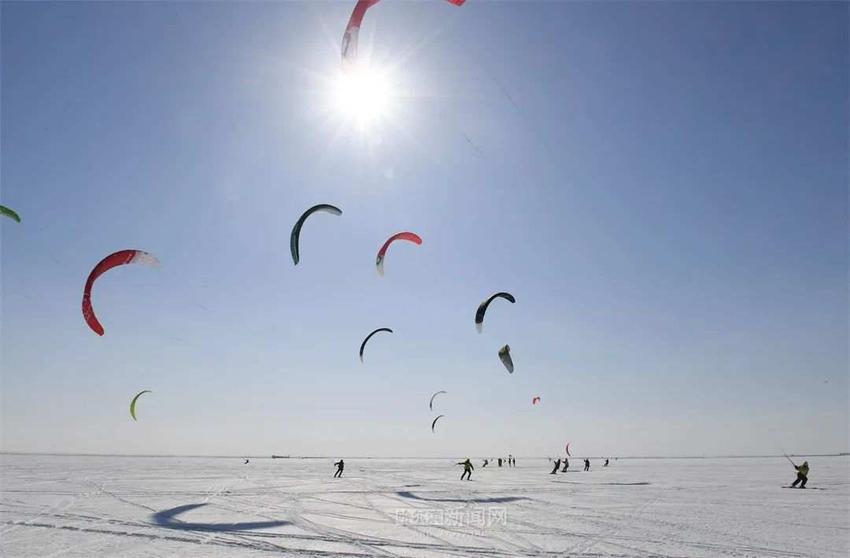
point(122, 257)
point(568, 449)
point(409, 236)
point(431, 403)
point(352, 30)
point(363, 344)
point(435, 422)
point(482, 308)
point(535, 400)
point(133, 402)
point(505, 356)
point(9, 213)
point(296, 230)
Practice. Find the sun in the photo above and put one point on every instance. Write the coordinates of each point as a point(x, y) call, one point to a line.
point(364, 95)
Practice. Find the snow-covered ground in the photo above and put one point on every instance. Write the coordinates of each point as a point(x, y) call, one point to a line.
point(131, 507)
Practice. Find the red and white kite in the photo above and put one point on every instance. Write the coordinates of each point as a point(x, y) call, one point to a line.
point(122, 257)
point(349, 39)
point(408, 236)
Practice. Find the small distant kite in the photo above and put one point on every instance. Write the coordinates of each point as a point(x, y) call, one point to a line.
point(482, 308)
point(535, 400)
point(133, 402)
point(295, 236)
point(431, 403)
point(9, 213)
point(435, 422)
point(409, 236)
point(568, 449)
point(122, 257)
point(352, 30)
point(363, 344)
point(505, 356)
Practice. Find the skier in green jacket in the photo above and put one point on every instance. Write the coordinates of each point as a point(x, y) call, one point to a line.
point(467, 469)
point(802, 475)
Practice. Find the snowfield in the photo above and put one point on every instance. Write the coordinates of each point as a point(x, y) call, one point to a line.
point(218, 507)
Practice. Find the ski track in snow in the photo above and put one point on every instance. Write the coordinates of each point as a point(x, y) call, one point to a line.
point(76, 506)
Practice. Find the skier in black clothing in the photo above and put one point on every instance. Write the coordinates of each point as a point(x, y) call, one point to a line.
point(557, 466)
point(566, 465)
point(467, 469)
point(340, 465)
point(587, 464)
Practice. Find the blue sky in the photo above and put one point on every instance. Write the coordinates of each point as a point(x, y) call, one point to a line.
point(662, 186)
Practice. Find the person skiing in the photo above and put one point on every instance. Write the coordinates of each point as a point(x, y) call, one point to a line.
point(606, 462)
point(500, 462)
point(246, 462)
point(340, 465)
point(587, 464)
point(802, 475)
point(566, 465)
point(557, 466)
point(510, 460)
point(486, 461)
point(467, 469)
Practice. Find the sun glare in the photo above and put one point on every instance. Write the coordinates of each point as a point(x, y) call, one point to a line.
point(363, 95)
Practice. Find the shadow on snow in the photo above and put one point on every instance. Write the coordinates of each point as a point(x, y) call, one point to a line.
point(604, 483)
point(502, 500)
point(168, 519)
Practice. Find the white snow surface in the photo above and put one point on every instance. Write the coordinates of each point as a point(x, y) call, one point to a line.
point(53, 506)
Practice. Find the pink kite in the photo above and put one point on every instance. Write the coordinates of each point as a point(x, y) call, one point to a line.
point(349, 39)
point(409, 236)
point(113, 260)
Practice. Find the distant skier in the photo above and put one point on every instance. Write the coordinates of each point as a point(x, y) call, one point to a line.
point(606, 462)
point(557, 466)
point(246, 462)
point(510, 460)
point(566, 465)
point(587, 464)
point(500, 462)
point(485, 463)
point(802, 475)
point(340, 465)
point(467, 469)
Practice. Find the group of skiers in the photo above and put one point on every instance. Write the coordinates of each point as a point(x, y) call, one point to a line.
point(566, 463)
point(802, 470)
point(510, 461)
point(468, 468)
